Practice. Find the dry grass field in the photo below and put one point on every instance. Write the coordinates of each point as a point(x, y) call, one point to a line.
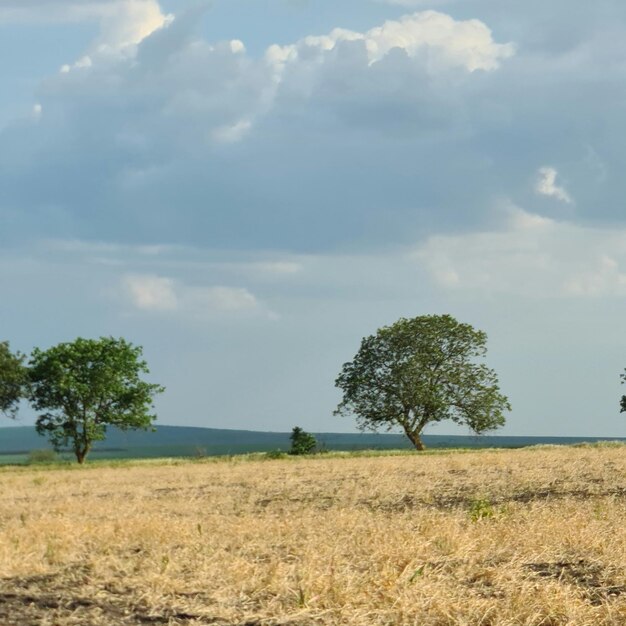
point(533, 536)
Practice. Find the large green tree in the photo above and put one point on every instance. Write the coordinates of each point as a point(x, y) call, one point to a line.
point(85, 386)
point(623, 401)
point(12, 380)
point(421, 371)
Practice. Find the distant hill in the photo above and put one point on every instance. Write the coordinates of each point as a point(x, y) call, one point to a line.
point(192, 441)
point(185, 440)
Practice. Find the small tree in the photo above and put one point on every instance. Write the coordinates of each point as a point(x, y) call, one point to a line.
point(623, 401)
point(13, 380)
point(421, 371)
point(301, 441)
point(86, 386)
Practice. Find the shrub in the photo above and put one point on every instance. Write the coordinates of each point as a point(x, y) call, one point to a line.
point(275, 454)
point(42, 456)
point(301, 442)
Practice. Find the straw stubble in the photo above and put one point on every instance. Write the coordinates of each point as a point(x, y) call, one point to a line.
point(530, 536)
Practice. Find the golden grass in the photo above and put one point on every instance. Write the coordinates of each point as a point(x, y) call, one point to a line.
point(530, 536)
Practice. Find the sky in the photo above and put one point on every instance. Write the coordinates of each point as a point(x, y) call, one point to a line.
point(246, 188)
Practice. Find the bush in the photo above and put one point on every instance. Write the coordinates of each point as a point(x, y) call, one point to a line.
point(36, 457)
point(302, 442)
point(275, 454)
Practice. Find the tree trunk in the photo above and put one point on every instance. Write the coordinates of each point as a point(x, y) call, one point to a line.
point(81, 453)
point(416, 440)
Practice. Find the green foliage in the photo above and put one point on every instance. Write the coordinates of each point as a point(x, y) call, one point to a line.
point(87, 385)
point(420, 371)
point(623, 401)
point(481, 509)
point(36, 457)
point(301, 442)
point(275, 454)
point(13, 379)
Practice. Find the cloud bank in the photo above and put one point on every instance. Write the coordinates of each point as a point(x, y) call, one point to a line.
point(157, 134)
point(531, 256)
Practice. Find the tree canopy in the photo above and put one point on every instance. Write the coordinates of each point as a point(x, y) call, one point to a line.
point(85, 386)
point(421, 371)
point(12, 380)
point(623, 400)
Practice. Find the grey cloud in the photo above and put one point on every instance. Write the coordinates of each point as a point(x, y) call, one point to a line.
point(197, 143)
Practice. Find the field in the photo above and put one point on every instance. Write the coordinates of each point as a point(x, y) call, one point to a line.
point(532, 536)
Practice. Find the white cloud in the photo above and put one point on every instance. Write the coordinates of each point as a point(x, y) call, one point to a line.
point(546, 185)
point(233, 132)
point(130, 22)
point(187, 92)
point(237, 46)
point(123, 23)
point(436, 38)
point(466, 44)
point(83, 62)
point(151, 293)
point(602, 279)
point(533, 256)
point(520, 220)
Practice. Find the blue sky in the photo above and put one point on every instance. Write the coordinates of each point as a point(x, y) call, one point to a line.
point(246, 188)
